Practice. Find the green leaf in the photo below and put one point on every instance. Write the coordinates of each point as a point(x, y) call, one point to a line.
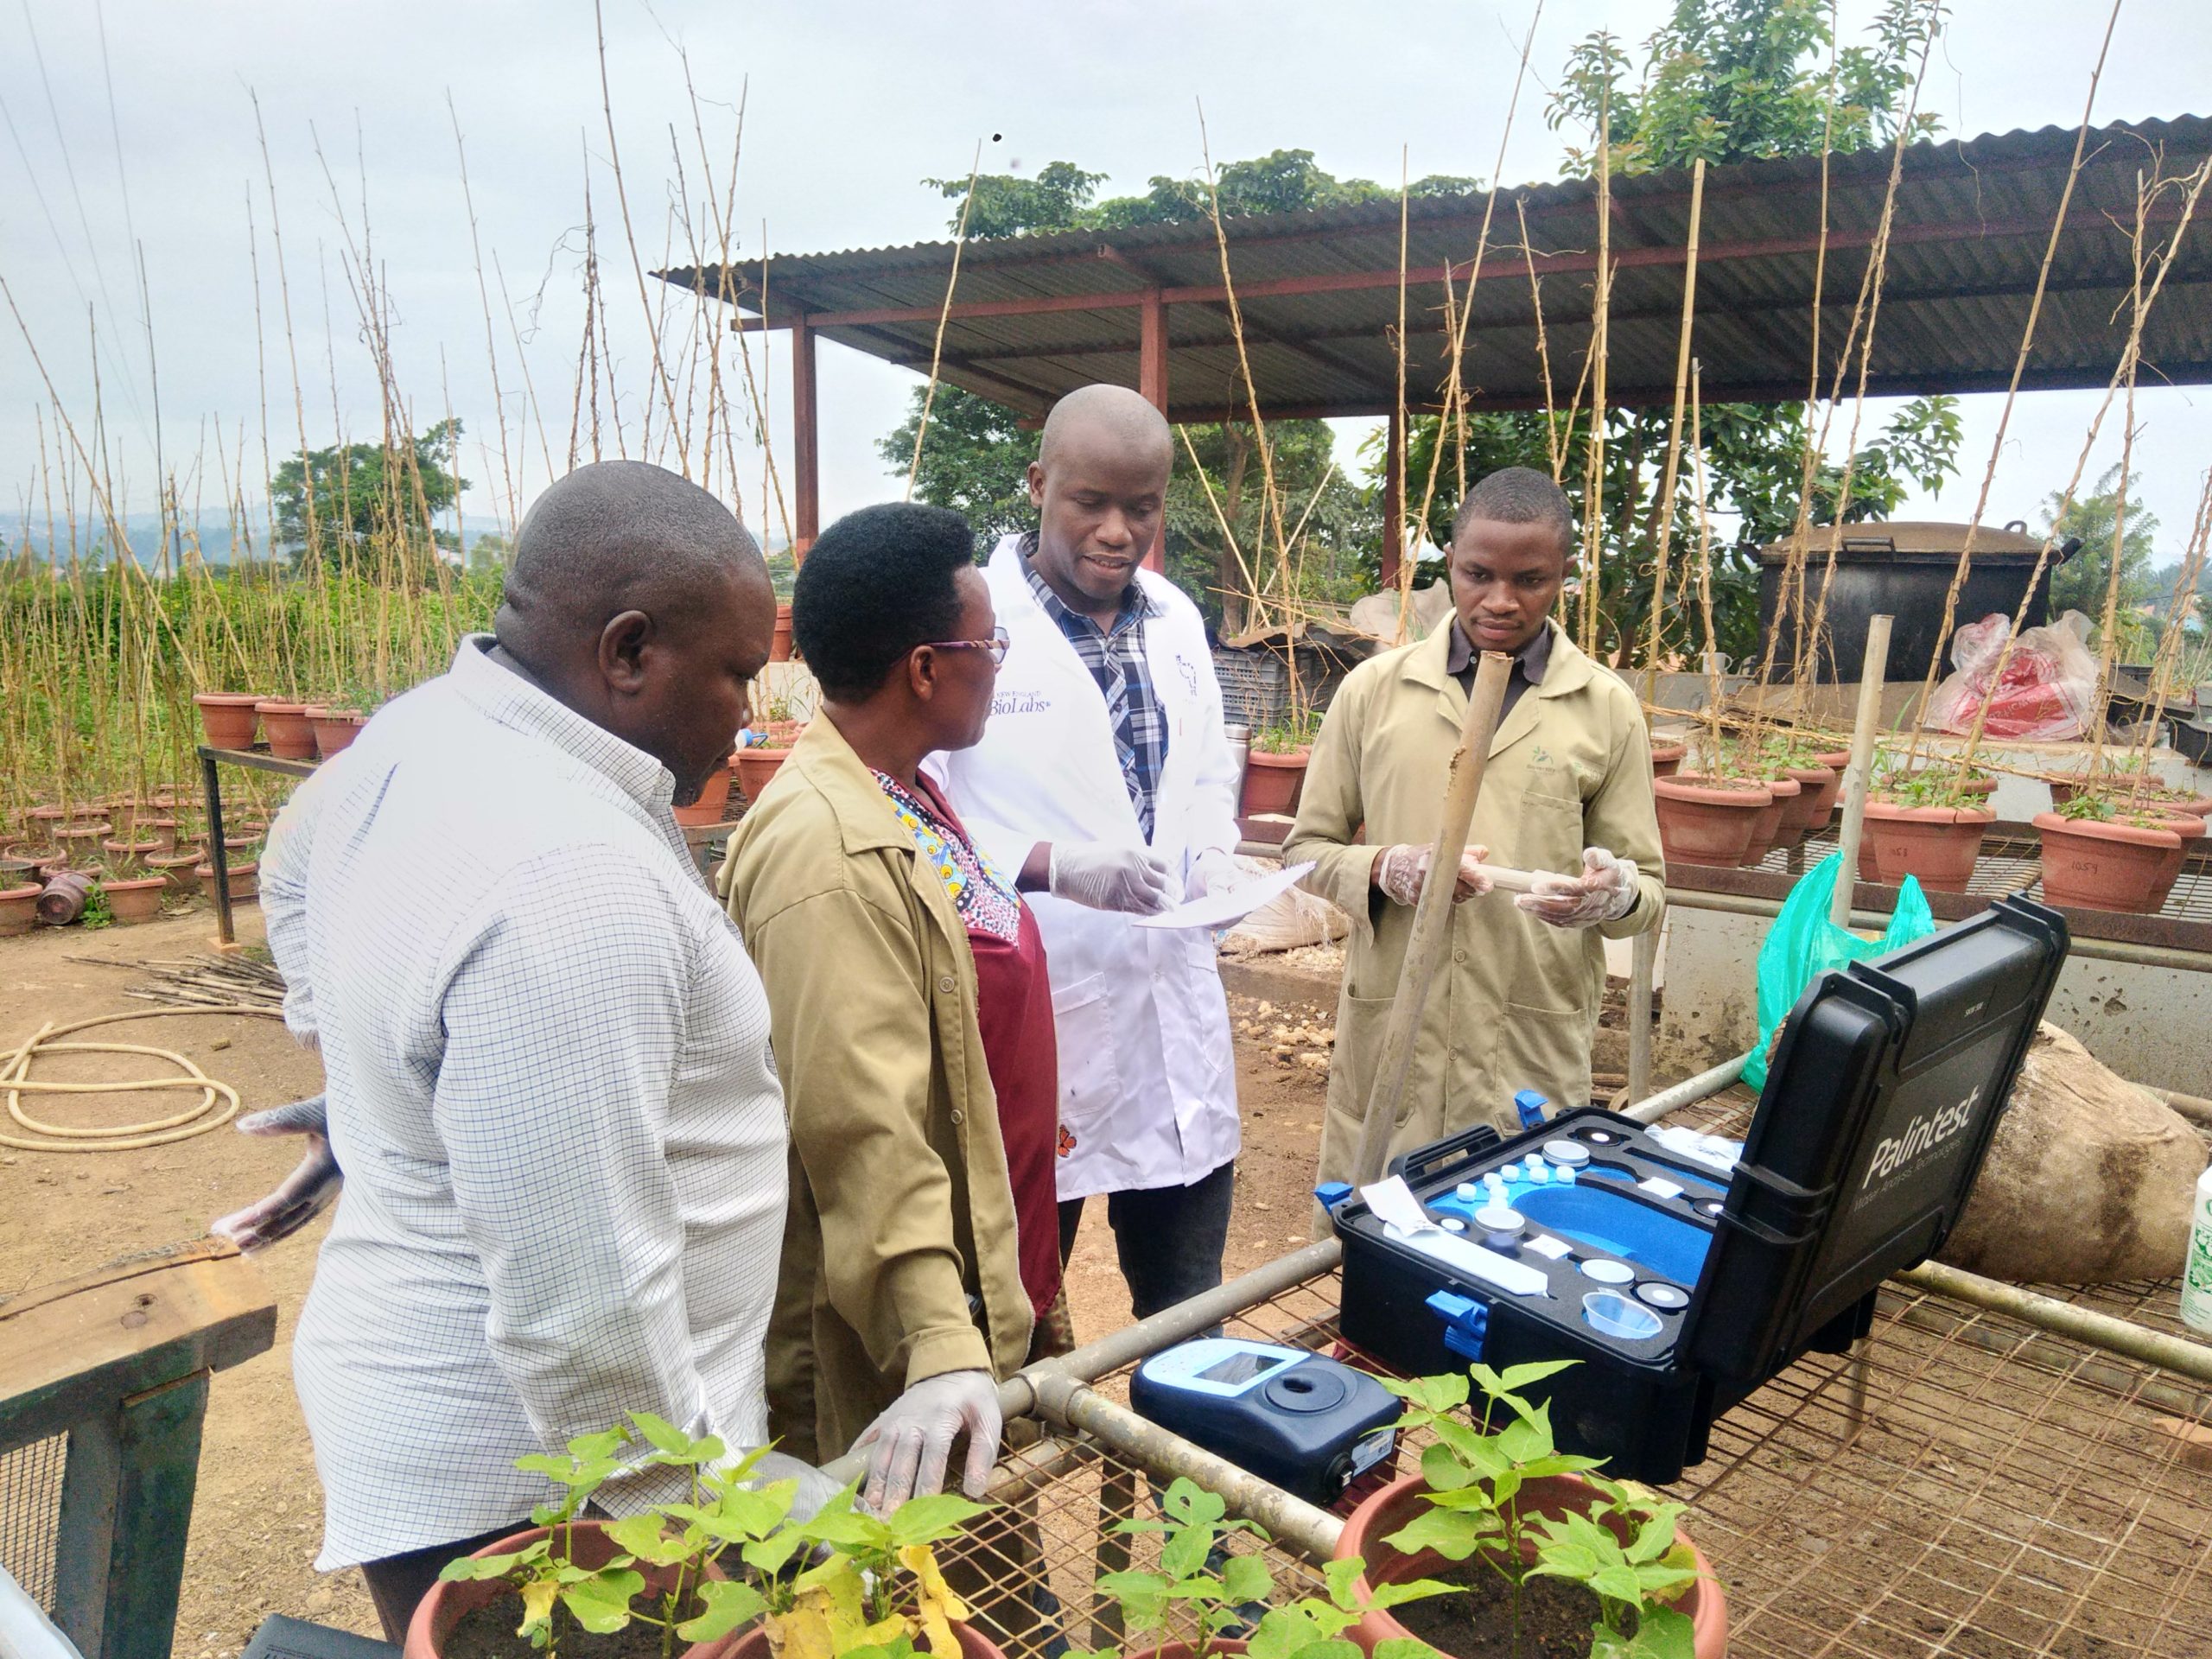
point(602, 1447)
point(1467, 1445)
point(1443, 1470)
point(1186, 1501)
point(1397, 1595)
point(1618, 1582)
point(1185, 1551)
point(1403, 1647)
point(1342, 1577)
point(664, 1435)
point(1529, 1437)
point(728, 1603)
point(931, 1519)
point(1454, 1535)
point(1333, 1647)
point(1246, 1578)
point(643, 1534)
point(489, 1566)
point(1653, 1538)
point(771, 1554)
point(601, 1602)
point(1662, 1633)
point(1517, 1378)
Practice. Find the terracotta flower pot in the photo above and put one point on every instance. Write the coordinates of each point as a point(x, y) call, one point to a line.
point(2189, 823)
point(713, 804)
point(780, 642)
point(1793, 797)
point(43, 818)
point(1274, 782)
point(19, 908)
point(334, 728)
point(1821, 785)
point(133, 851)
point(29, 861)
point(1782, 794)
point(81, 841)
point(137, 899)
point(2094, 866)
point(448, 1603)
point(1390, 1509)
point(1938, 844)
point(228, 717)
point(756, 768)
point(164, 834)
point(246, 884)
point(1705, 821)
point(1667, 758)
point(290, 736)
point(753, 1645)
point(64, 898)
point(123, 813)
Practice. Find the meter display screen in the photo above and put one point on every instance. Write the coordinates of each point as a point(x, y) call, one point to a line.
point(1240, 1367)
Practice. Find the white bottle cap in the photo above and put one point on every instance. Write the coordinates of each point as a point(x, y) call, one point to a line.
point(1467, 1192)
point(1539, 1172)
point(1566, 1178)
point(1498, 1218)
point(1572, 1152)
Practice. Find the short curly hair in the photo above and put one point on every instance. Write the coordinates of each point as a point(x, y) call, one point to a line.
point(876, 584)
point(1519, 495)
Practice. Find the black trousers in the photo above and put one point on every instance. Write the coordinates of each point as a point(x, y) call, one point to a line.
point(397, 1583)
point(1169, 1238)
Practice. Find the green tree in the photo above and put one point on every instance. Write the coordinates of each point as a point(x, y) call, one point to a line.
point(975, 461)
point(366, 500)
point(2080, 583)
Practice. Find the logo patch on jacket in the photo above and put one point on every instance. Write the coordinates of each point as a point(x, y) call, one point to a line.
point(1020, 702)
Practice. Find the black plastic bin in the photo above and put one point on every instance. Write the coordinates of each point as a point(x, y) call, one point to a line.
point(1903, 570)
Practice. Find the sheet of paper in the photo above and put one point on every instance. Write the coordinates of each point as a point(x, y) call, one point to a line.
point(1393, 1201)
point(1220, 909)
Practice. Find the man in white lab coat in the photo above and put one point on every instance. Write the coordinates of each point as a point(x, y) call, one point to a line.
point(1105, 778)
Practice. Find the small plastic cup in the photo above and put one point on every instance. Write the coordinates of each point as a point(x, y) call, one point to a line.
point(1613, 1314)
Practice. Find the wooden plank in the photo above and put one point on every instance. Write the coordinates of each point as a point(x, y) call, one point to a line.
point(69, 1353)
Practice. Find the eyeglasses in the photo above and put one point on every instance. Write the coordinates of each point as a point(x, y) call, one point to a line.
point(995, 644)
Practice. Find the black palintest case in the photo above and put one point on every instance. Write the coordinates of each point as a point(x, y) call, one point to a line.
point(1681, 1287)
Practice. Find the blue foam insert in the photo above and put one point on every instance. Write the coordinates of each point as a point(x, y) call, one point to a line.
point(1588, 1213)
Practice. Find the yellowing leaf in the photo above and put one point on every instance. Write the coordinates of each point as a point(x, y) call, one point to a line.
point(537, 1598)
point(935, 1604)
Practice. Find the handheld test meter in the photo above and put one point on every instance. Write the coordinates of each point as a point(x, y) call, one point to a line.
point(1304, 1422)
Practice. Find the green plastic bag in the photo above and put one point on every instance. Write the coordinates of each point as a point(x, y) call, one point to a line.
point(1803, 943)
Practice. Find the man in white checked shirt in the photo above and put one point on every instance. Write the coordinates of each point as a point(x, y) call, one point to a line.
point(546, 1052)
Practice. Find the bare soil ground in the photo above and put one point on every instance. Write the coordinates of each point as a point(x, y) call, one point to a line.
point(257, 1519)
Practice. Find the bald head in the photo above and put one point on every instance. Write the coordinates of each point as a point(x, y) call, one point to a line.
point(1112, 416)
point(1099, 485)
point(637, 599)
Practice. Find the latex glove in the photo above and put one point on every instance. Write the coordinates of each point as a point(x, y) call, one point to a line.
point(913, 1439)
point(1103, 877)
point(302, 1195)
point(1212, 871)
point(815, 1488)
point(1605, 891)
point(1402, 870)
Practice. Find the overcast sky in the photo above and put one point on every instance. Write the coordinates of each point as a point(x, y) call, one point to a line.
point(147, 140)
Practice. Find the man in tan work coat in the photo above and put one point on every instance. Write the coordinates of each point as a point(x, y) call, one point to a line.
point(1568, 790)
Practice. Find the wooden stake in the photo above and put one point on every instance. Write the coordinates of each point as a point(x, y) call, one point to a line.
point(1872, 673)
point(1432, 916)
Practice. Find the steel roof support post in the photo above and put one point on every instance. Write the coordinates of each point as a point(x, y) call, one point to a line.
point(1394, 500)
point(806, 453)
point(1151, 384)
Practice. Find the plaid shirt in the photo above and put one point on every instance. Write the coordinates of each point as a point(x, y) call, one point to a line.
point(549, 1088)
point(1115, 658)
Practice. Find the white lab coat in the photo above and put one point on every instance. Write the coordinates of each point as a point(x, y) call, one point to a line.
point(1147, 1082)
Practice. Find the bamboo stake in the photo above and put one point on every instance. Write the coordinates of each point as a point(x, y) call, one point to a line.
point(1593, 475)
point(1674, 431)
point(1432, 915)
point(944, 316)
point(1872, 673)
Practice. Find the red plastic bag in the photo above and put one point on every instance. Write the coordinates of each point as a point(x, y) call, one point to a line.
point(2048, 682)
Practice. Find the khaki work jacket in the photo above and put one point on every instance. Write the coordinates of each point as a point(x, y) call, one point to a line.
point(1515, 1002)
point(901, 1206)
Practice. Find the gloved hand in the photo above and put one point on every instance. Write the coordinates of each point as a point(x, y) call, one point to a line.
point(1212, 871)
point(1400, 871)
point(815, 1488)
point(913, 1439)
point(302, 1195)
point(1103, 877)
point(1605, 891)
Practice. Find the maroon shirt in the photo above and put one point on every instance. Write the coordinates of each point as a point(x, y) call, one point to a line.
point(1013, 1007)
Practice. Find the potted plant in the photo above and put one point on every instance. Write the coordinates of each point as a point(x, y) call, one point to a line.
point(178, 869)
point(334, 726)
point(290, 736)
point(568, 1575)
point(780, 642)
point(1708, 816)
point(1528, 1535)
point(1666, 756)
point(127, 851)
point(758, 760)
point(228, 718)
point(125, 899)
point(81, 840)
point(1275, 764)
point(1801, 758)
point(243, 874)
point(2099, 856)
point(1220, 1591)
point(18, 905)
point(1919, 822)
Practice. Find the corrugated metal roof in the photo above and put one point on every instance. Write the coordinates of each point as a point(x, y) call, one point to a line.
point(1318, 291)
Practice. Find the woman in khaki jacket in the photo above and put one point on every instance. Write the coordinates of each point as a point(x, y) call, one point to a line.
point(913, 1025)
point(1567, 789)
